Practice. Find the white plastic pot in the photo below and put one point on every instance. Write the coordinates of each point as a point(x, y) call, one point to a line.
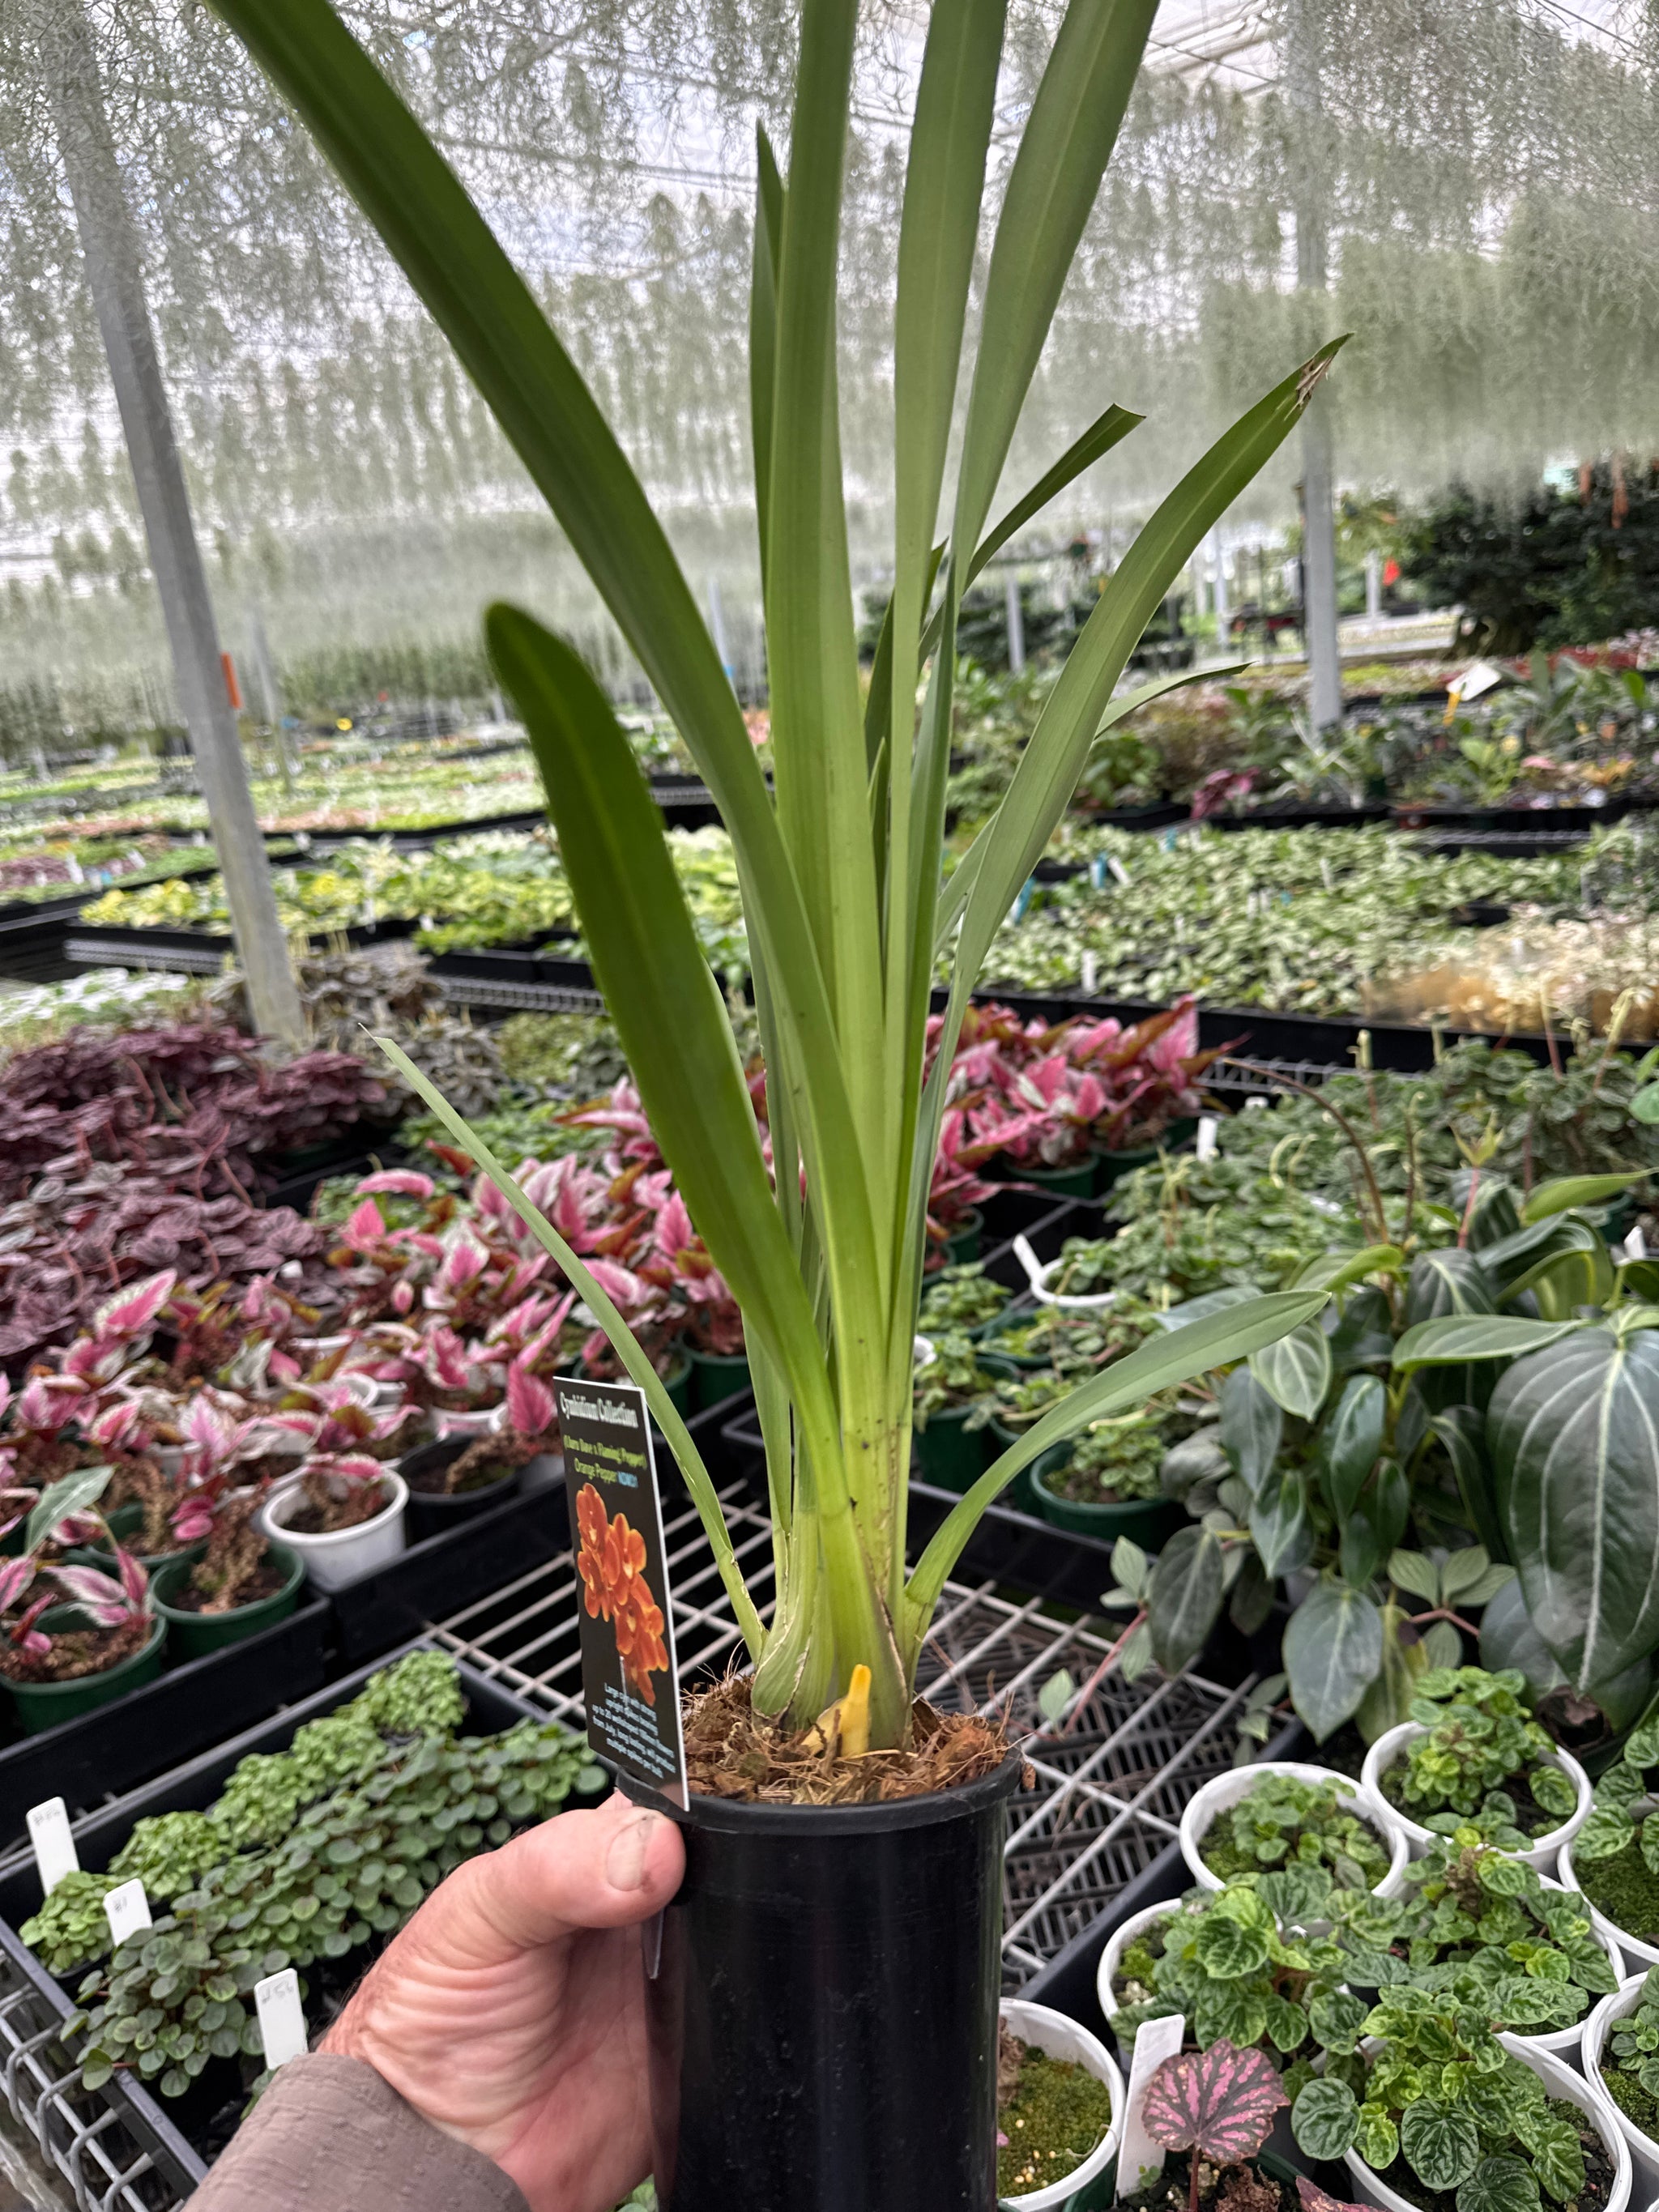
point(1637, 1955)
point(1094, 1302)
point(1062, 2038)
point(341, 1555)
point(1544, 1851)
point(1224, 1791)
point(1643, 2151)
point(1561, 2082)
point(1117, 1944)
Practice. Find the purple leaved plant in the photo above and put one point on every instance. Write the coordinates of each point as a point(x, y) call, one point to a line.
point(1217, 2104)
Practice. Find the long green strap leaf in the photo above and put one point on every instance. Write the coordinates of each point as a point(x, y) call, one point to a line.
point(663, 997)
point(1063, 157)
point(618, 1335)
point(763, 324)
point(1105, 432)
point(1155, 1366)
point(1049, 769)
point(457, 267)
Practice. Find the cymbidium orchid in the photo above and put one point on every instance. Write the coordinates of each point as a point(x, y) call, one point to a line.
point(840, 860)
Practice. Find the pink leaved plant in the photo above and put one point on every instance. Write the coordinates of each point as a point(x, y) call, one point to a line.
point(531, 1408)
point(1218, 2105)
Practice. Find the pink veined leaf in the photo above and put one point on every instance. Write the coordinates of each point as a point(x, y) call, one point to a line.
point(116, 1422)
point(25, 1635)
point(134, 1578)
point(1220, 2102)
point(464, 1263)
point(131, 1311)
point(674, 1231)
point(284, 1368)
point(36, 1408)
point(15, 1576)
point(192, 1519)
point(531, 1407)
point(99, 1594)
point(617, 1283)
point(365, 1231)
point(398, 1183)
point(403, 1296)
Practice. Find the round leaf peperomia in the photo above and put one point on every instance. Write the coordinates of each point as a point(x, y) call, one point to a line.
point(1234, 1962)
point(1482, 1762)
point(1484, 1929)
point(1281, 1821)
point(1441, 2096)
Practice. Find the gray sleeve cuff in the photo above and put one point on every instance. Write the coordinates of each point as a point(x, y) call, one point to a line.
point(330, 2135)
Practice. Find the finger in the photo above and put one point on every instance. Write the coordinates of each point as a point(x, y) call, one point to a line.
point(605, 1868)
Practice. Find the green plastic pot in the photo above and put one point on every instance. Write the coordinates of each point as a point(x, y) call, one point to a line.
point(193, 1634)
point(1064, 1183)
point(716, 1377)
point(1149, 1521)
point(946, 1453)
point(42, 1705)
point(962, 1243)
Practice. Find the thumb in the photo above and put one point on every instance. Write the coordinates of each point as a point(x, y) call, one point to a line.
point(605, 1868)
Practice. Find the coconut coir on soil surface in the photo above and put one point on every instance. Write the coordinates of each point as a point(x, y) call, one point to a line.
point(730, 1752)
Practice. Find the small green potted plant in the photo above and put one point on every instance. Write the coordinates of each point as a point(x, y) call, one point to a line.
point(1474, 1921)
point(1434, 2112)
point(1105, 1483)
point(1471, 1756)
point(952, 1383)
point(241, 1583)
point(1284, 1813)
point(1255, 1960)
point(963, 1300)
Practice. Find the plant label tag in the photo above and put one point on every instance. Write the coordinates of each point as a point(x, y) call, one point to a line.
point(630, 1683)
point(281, 2019)
point(1209, 1128)
point(1118, 869)
point(54, 1846)
point(127, 1911)
point(1090, 973)
point(1138, 2155)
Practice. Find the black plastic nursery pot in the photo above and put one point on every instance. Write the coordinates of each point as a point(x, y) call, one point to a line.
point(1148, 1522)
point(436, 1512)
point(824, 2016)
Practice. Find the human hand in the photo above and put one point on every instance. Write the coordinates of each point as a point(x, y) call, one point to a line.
point(510, 2012)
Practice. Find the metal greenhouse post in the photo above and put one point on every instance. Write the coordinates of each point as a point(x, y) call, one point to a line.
point(115, 273)
point(1319, 617)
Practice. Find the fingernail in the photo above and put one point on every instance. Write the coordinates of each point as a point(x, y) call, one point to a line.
point(624, 1862)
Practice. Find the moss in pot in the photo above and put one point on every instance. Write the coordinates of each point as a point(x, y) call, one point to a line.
point(1615, 1855)
point(1629, 2068)
point(1282, 1822)
point(1450, 2121)
point(1483, 1762)
point(1052, 2114)
point(1474, 1922)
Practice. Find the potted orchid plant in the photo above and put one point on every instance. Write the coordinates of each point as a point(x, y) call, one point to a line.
point(848, 913)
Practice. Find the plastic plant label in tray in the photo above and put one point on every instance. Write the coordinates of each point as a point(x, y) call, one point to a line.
point(630, 1683)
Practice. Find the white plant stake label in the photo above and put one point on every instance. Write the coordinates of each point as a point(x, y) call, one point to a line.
point(54, 1846)
point(1209, 1128)
point(1137, 2155)
point(282, 2020)
point(127, 1911)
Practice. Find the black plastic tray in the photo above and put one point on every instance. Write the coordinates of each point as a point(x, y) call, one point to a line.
point(190, 1787)
point(186, 1708)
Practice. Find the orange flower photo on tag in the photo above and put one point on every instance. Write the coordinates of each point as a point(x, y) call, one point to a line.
point(610, 1562)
